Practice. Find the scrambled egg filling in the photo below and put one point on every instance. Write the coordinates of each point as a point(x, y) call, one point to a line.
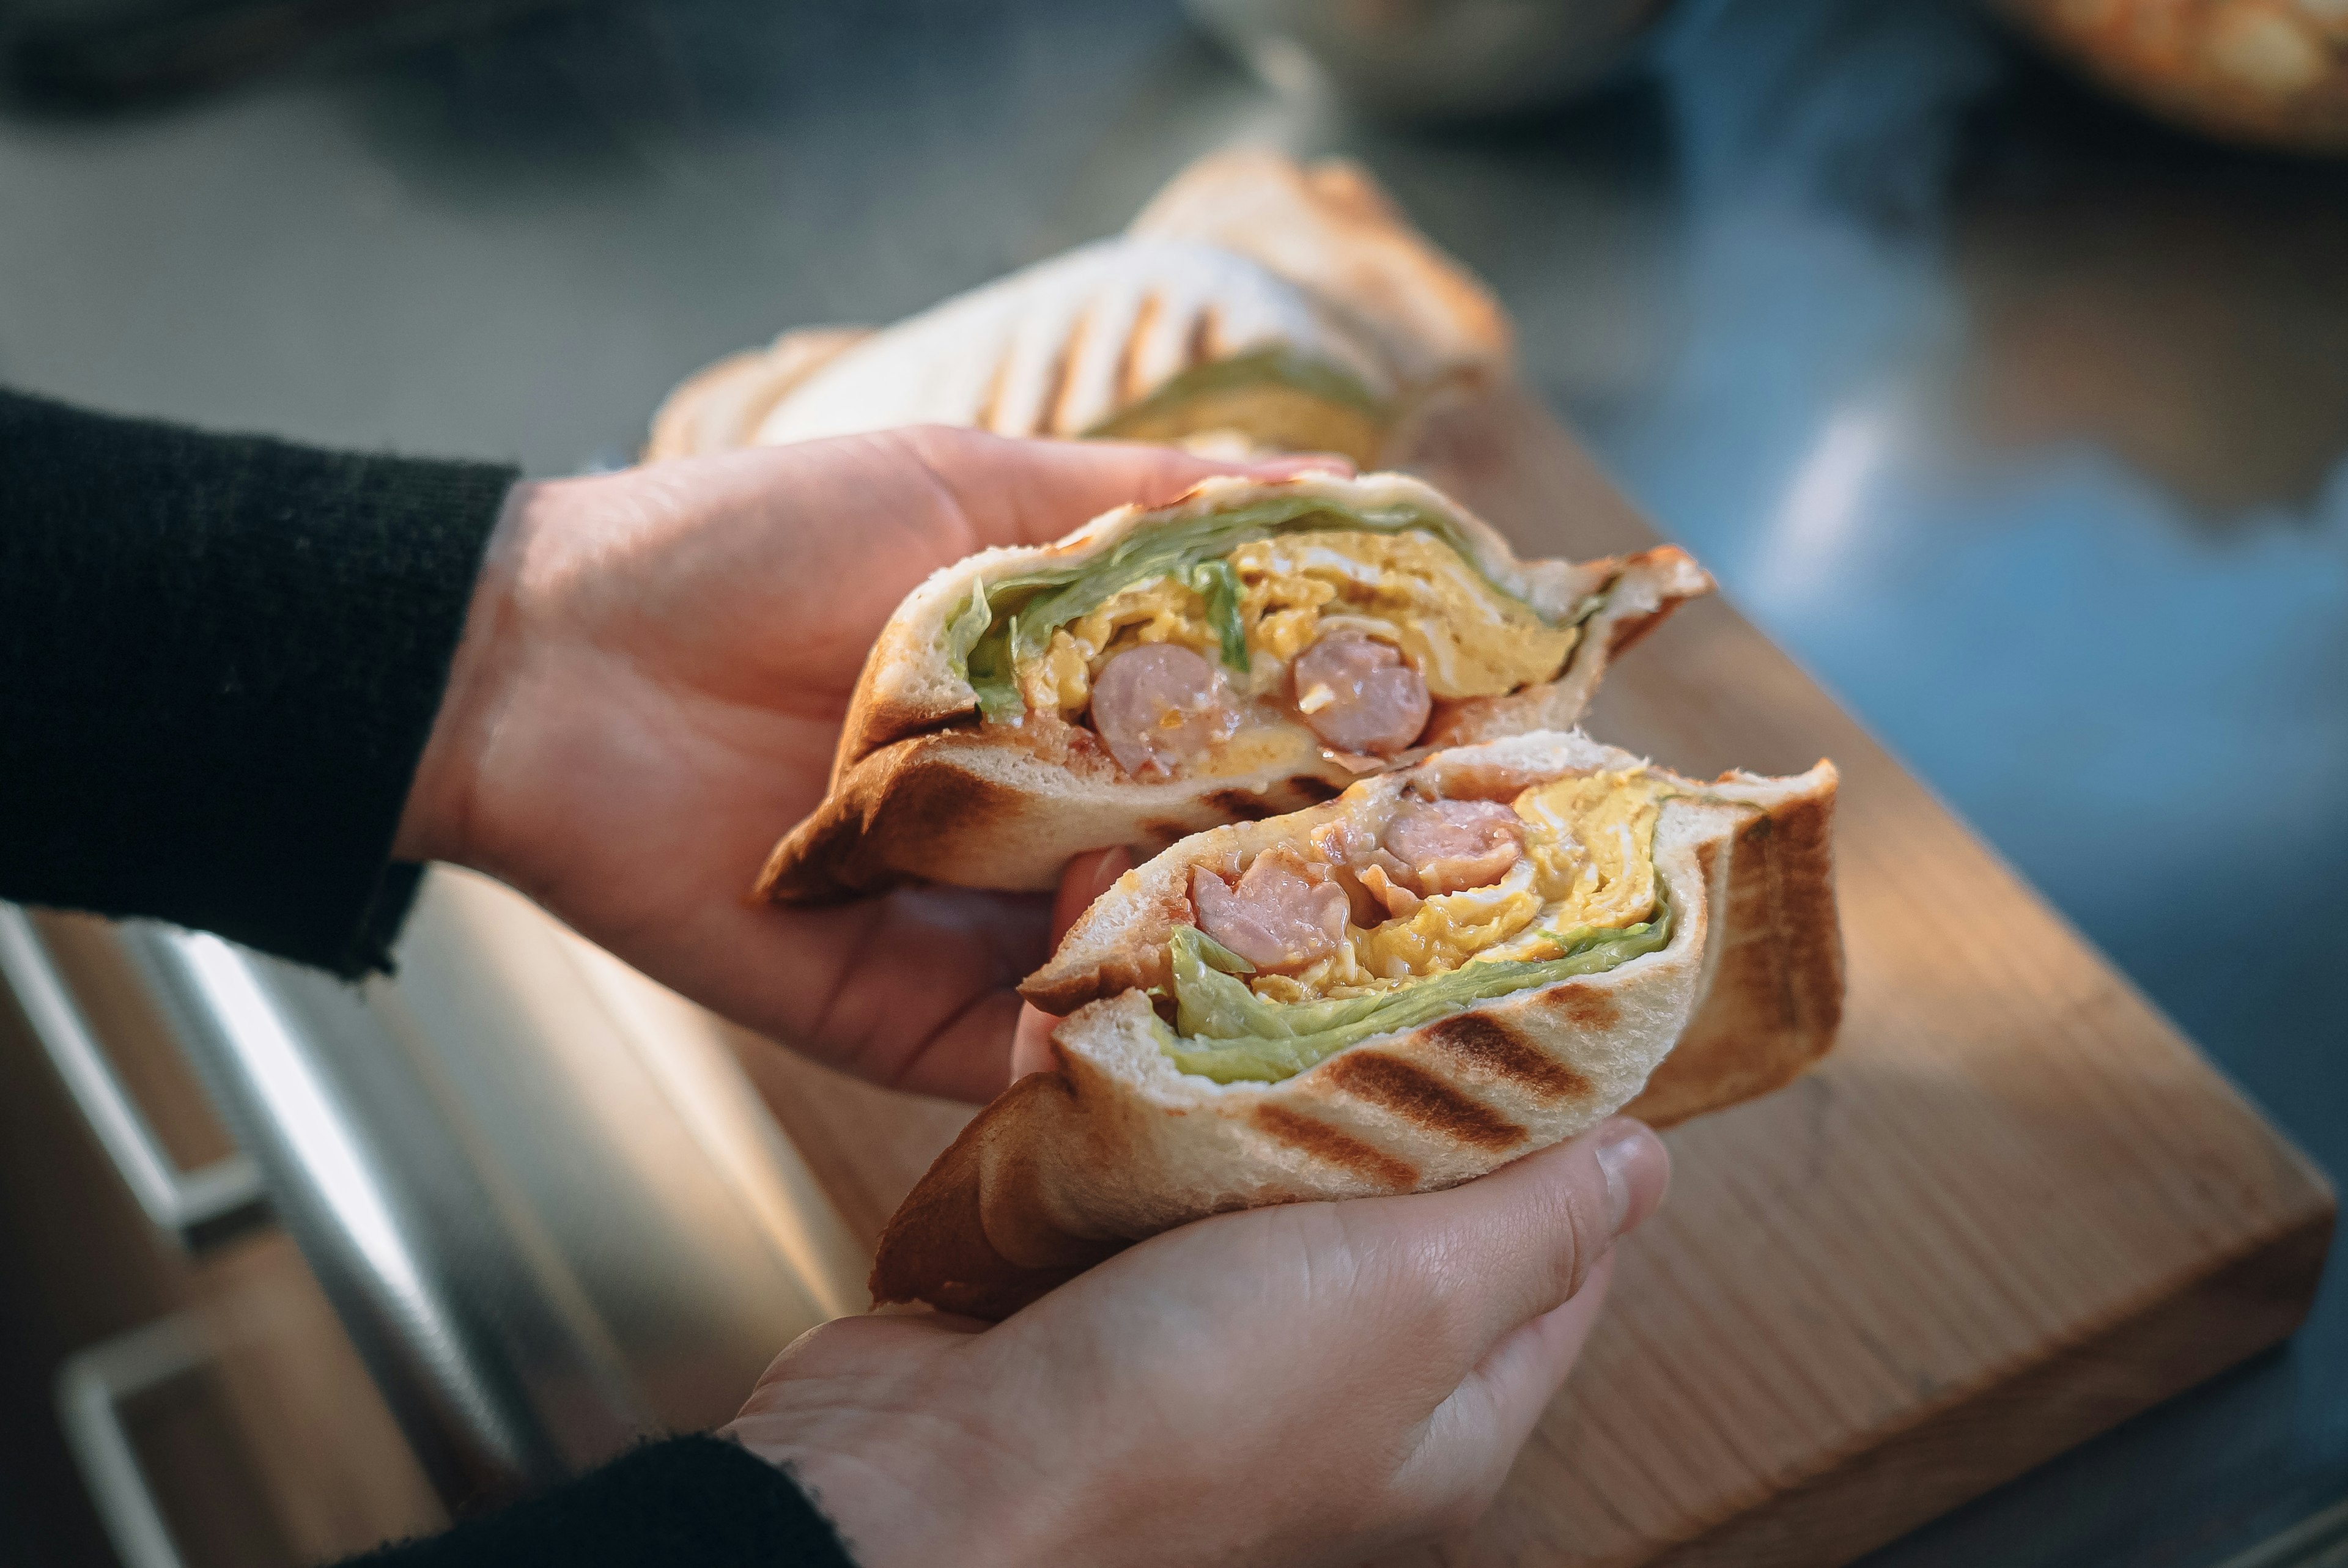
point(1588, 867)
point(1464, 637)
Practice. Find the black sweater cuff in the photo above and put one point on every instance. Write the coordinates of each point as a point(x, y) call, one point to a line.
point(697, 1500)
point(220, 658)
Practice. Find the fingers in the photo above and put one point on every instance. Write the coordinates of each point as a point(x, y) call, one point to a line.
point(1466, 1446)
point(968, 1060)
point(1088, 876)
point(917, 987)
point(1031, 492)
point(1461, 1303)
point(1510, 1388)
point(1527, 1234)
point(1296, 465)
point(1031, 1041)
point(1430, 1281)
point(1538, 1247)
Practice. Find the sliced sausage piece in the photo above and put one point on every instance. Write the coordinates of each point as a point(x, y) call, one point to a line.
point(1453, 845)
point(1279, 917)
point(1358, 695)
point(1158, 706)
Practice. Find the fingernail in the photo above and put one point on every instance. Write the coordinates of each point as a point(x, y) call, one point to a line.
point(1622, 1146)
point(1310, 462)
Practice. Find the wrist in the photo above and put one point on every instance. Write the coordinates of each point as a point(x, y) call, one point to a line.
point(864, 1507)
point(438, 819)
point(902, 1485)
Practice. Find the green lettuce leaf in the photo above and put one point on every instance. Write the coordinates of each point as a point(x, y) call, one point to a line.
point(1227, 1033)
point(1009, 621)
point(989, 676)
point(1219, 585)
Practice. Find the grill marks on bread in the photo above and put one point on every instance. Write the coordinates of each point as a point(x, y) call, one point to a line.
point(990, 414)
point(1486, 1048)
point(1408, 1091)
point(1131, 375)
point(1053, 396)
point(1337, 1148)
point(1205, 332)
point(1492, 1046)
point(1582, 1006)
point(1417, 1096)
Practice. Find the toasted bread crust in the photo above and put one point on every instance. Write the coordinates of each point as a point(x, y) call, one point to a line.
point(1776, 1001)
point(940, 1226)
point(959, 806)
point(1114, 1143)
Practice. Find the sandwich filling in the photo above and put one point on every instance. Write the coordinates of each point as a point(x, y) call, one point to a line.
point(1374, 925)
point(1288, 626)
point(1273, 399)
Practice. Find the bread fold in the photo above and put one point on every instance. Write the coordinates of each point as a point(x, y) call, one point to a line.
point(1114, 1143)
point(921, 789)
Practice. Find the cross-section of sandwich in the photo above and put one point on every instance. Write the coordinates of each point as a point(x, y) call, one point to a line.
point(1442, 969)
point(1255, 304)
point(1250, 648)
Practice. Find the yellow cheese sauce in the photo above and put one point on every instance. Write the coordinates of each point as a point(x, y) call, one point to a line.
point(1464, 637)
point(1589, 865)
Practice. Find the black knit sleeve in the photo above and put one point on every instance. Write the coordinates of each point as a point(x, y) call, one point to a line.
point(701, 1501)
point(220, 657)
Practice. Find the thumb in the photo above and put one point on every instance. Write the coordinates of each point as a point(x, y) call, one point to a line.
point(1544, 1314)
point(1088, 876)
point(1031, 1041)
point(1482, 1260)
point(1029, 492)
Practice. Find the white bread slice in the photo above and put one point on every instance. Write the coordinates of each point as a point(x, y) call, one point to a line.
point(1242, 251)
point(1061, 346)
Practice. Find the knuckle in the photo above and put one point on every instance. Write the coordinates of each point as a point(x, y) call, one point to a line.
point(823, 1343)
point(1446, 1303)
point(1581, 1239)
point(1573, 1235)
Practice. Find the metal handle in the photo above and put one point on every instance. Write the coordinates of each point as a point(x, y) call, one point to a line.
point(92, 1387)
point(195, 1206)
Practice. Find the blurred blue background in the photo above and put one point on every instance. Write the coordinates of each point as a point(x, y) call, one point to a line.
point(2019, 420)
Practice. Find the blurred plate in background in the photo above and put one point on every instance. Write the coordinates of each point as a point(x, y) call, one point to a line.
point(1432, 59)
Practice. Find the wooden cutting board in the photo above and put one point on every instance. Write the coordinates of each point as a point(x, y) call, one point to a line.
point(2013, 1208)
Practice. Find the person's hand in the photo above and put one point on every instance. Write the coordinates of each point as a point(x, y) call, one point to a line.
point(649, 691)
point(1307, 1384)
point(1082, 880)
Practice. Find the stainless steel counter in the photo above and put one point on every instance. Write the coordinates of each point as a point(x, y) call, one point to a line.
point(2024, 423)
point(552, 1213)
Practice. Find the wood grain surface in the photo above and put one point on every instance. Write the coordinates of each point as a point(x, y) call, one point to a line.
point(2012, 1209)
